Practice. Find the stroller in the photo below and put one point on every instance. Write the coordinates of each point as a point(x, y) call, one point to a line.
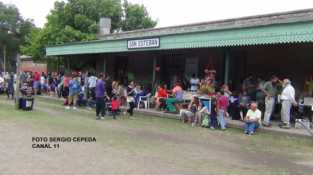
point(305, 108)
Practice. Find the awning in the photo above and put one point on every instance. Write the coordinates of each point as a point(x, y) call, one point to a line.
point(259, 35)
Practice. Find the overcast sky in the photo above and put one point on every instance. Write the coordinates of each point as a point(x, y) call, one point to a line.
point(176, 12)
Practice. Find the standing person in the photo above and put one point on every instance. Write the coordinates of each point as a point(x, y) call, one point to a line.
point(42, 83)
point(222, 105)
point(270, 90)
point(100, 97)
point(287, 99)
point(234, 106)
point(244, 101)
point(65, 87)
point(59, 85)
point(252, 119)
point(194, 83)
point(260, 95)
point(131, 98)
point(249, 85)
point(53, 85)
point(85, 80)
point(108, 86)
point(36, 83)
point(92, 81)
point(226, 90)
point(309, 86)
point(122, 94)
point(10, 88)
point(115, 104)
point(74, 89)
point(213, 115)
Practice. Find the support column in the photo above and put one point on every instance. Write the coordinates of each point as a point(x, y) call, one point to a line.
point(4, 57)
point(226, 66)
point(153, 69)
point(17, 91)
point(104, 65)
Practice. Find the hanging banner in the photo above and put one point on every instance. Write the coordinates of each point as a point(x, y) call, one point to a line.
point(143, 43)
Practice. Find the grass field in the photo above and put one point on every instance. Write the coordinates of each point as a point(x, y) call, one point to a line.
point(142, 145)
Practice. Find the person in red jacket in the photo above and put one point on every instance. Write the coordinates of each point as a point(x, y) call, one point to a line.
point(115, 104)
point(222, 106)
point(160, 97)
point(36, 85)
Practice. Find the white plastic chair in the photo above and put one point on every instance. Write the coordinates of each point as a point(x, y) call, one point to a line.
point(145, 100)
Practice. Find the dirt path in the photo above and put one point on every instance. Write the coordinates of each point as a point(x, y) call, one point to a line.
point(138, 147)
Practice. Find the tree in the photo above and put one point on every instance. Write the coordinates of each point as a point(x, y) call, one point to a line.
point(13, 31)
point(78, 20)
point(136, 17)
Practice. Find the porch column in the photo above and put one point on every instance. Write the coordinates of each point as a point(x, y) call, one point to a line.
point(4, 57)
point(226, 66)
point(153, 69)
point(104, 66)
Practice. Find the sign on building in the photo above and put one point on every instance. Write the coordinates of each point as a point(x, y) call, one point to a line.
point(143, 43)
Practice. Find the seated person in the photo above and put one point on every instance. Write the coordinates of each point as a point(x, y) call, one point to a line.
point(252, 119)
point(177, 96)
point(160, 97)
point(138, 92)
point(204, 109)
point(193, 108)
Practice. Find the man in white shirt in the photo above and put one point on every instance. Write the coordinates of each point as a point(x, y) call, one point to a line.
point(287, 100)
point(92, 81)
point(194, 83)
point(253, 119)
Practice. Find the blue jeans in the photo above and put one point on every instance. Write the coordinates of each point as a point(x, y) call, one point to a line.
point(221, 119)
point(213, 121)
point(251, 127)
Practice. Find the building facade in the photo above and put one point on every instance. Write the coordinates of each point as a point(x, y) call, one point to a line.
point(262, 45)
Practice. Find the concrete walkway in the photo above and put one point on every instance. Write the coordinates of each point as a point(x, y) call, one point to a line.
point(293, 132)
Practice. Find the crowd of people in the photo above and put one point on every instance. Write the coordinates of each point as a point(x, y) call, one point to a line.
point(255, 97)
point(210, 104)
point(254, 103)
point(79, 89)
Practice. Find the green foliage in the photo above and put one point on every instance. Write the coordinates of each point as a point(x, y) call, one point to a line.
point(13, 31)
point(78, 20)
point(136, 17)
point(34, 43)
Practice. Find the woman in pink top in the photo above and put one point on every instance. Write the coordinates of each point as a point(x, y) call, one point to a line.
point(222, 105)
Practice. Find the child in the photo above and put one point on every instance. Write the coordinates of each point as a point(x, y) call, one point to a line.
point(115, 106)
point(213, 116)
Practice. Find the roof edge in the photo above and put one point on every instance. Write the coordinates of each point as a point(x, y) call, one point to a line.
point(233, 23)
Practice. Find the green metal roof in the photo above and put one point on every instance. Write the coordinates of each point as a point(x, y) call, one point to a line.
point(260, 33)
